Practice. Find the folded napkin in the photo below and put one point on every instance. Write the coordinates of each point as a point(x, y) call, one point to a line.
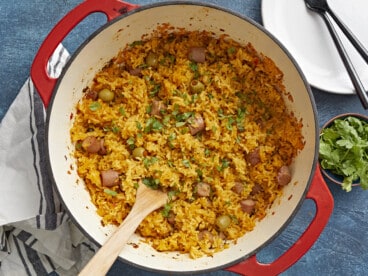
point(36, 235)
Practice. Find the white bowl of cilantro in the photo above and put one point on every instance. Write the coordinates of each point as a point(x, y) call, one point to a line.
point(343, 151)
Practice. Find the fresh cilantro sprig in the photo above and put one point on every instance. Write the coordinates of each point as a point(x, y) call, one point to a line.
point(344, 150)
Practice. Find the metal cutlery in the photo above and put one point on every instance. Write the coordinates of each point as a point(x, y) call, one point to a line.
point(323, 9)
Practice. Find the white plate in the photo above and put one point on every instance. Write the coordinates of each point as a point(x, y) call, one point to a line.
point(306, 36)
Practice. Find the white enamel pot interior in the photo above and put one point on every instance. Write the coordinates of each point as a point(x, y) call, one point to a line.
point(104, 45)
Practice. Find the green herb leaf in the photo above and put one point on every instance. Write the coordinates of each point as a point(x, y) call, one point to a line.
point(171, 194)
point(122, 111)
point(166, 210)
point(130, 142)
point(151, 182)
point(155, 89)
point(344, 150)
point(110, 192)
point(231, 50)
point(186, 163)
point(194, 67)
point(135, 43)
point(138, 125)
point(199, 174)
point(152, 124)
point(180, 124)
point(224, 164)
point(94, 106)
point(148, 161)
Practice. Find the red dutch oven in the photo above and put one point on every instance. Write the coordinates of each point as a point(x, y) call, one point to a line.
point(128, 23)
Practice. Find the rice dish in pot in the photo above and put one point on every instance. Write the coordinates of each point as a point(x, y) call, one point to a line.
point(201, 117)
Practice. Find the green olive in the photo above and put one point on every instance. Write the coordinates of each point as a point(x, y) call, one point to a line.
point(196, 86)
point(223, 222)
point(138, 153)
point(151, 59)
point(106, 95)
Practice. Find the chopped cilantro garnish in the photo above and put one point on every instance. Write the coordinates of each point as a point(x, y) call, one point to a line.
point(151, 182)
point(94, 106)
point(180, 124)
point(115, 129)
point(110, 192)
point(138, 125)
point(224, 164)
point(199, 173)
point(155, 89)
point(153, 124)
point(194, 67)
point(186, 163)
point(231, 50)
point(135, 43)
point(130, 142)
point(166, 210)
point(148, 161)
point(344, 150)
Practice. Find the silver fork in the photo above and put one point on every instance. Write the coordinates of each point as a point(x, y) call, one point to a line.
point(322, 8)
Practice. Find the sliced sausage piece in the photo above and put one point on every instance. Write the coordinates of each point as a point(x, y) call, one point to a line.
point(203, 189)
point(157, 107)
point(253, 157)
point(136, 71)
point(196, 124)
point(109, 178)
point(247, 205)
point(238, 188)
point(102, 150)
point(171, 218)
point(205, 235)
point(197, 54)
point(91, 144)
point(222, 235)
point(284, 176)
point(91, 94)
point(256, 189)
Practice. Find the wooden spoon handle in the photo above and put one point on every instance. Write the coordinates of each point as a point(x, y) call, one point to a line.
point(146, 202)
point(107, 254)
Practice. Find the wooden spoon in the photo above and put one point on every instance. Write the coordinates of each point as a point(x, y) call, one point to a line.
point(147, 201)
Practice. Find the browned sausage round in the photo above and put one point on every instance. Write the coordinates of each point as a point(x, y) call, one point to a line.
point(238, 188)
point(196, 124)
point(197, 54)
point(256, 189)
point(102, 150)
point(171, 218)
point(284, 176)
point(203, 189)
point(91, 94)
point(253, 157)
point(247, 205)
point(157, 107)
point(91, 144)
point(136, 71)
point(109, 178)
point(205, 235)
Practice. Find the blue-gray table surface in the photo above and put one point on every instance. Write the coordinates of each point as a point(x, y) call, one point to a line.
point(342, 248)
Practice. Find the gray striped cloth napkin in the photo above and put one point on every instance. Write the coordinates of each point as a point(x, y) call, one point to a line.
point(36, 235)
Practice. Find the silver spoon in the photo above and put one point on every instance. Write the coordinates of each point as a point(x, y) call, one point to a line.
point(322, 8)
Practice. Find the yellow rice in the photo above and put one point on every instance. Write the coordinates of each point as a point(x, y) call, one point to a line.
point(243, 108)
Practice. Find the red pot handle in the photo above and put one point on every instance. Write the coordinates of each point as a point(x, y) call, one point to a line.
point(323, 199)
point(41, 79)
